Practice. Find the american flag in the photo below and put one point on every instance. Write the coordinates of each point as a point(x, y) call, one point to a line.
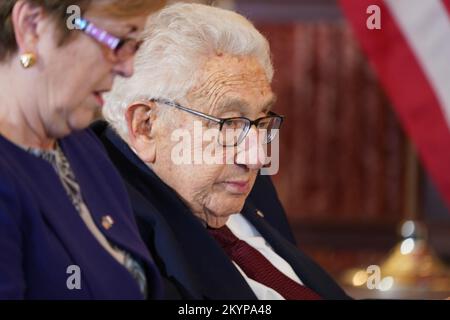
point(411, 55)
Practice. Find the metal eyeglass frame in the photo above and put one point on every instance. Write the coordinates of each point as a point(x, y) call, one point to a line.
point(222, 121)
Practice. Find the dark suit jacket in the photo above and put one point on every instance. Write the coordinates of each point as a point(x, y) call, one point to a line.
point(42, 234)
point(186, 254)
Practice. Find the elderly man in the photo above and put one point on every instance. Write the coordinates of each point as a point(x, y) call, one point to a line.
point(206, 70)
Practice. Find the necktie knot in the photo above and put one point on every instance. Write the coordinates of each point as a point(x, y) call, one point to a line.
point(224, 236)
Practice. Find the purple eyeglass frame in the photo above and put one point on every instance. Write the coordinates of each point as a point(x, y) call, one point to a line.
point(102, 36)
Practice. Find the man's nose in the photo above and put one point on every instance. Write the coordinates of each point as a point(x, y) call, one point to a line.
point(251, 151)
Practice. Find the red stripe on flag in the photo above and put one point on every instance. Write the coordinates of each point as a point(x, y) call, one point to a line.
point(407, 87)
point(446, 3)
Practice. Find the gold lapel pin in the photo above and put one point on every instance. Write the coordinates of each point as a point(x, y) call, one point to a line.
point(107, 222)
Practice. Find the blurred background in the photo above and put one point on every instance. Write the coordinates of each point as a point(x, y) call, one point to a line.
point(349, 178)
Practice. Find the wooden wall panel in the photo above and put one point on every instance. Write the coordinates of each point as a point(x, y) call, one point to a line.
point(342, 149)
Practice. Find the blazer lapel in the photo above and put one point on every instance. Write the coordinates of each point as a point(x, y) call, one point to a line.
point(75, 237)
point(123, 231)
point(165, 249)
point(201, 251)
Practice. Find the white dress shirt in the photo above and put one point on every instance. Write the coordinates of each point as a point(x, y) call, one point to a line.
point(245, 231)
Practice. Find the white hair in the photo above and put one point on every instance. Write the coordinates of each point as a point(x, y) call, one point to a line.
point(178, 40)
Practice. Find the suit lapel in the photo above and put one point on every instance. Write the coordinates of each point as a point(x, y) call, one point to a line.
point(164, 247)
point(122, 231)
point(200, 250)
point(75, 237)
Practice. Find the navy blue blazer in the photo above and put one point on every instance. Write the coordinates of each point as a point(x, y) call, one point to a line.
point(42, 234)
point(187, 256)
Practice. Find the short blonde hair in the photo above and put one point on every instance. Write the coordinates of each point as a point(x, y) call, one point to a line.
point(58, 10)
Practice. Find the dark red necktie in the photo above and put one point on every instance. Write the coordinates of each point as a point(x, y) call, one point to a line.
point(258, 268)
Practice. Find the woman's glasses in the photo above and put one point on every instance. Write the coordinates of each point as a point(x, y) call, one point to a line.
point(122, 48)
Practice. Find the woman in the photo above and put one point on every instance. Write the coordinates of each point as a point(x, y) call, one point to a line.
point(66, 229)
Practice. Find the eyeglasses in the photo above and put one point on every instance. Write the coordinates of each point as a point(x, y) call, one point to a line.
point(234, 130)
point(122, 49)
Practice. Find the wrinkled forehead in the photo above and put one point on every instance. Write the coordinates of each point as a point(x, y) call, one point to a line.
point(232, 83)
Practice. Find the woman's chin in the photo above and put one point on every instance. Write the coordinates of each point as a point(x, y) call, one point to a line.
point(82, 120)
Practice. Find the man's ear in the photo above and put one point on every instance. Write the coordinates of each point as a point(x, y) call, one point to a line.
point(26, 19)
point(140, 118)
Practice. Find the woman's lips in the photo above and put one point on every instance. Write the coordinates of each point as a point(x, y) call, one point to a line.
point(237, 187)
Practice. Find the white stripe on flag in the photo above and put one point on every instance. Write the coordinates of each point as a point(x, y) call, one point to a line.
point(426, 27)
